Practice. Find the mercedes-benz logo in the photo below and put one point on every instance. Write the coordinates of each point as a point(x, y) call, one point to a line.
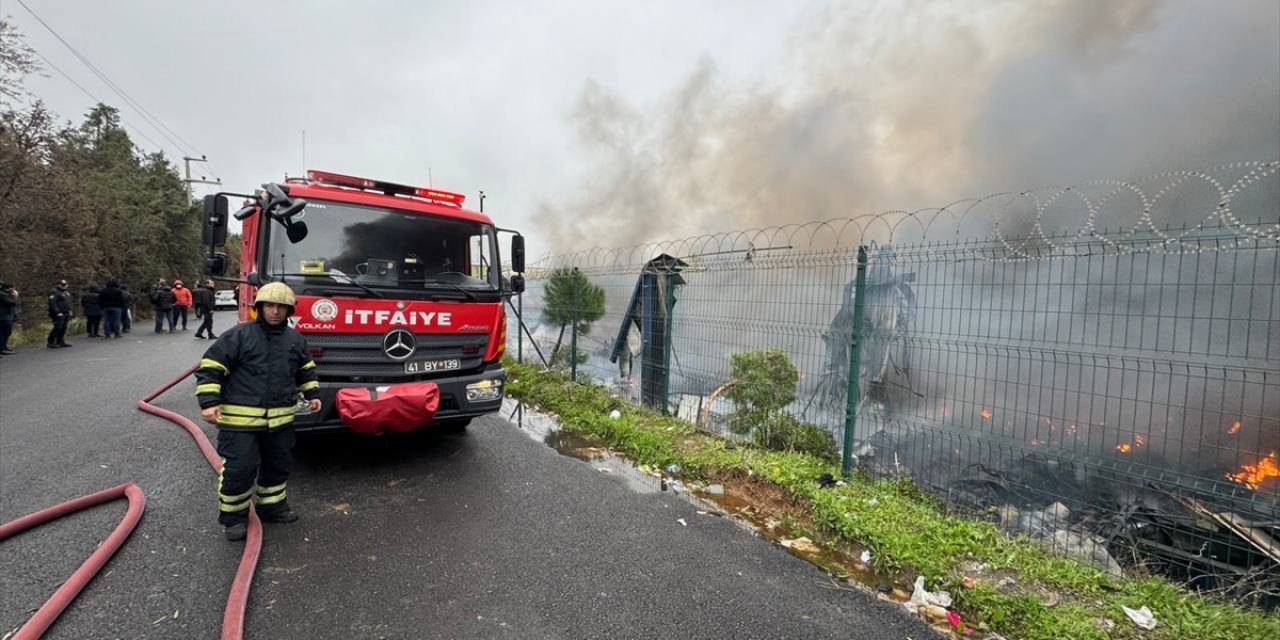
point(399, 344)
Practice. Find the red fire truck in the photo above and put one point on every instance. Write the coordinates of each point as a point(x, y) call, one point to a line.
point(400, 294)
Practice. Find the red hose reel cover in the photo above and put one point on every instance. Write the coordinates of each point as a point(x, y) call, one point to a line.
point(397, 407)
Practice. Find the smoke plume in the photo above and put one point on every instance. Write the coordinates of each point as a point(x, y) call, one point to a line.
point(897, 105)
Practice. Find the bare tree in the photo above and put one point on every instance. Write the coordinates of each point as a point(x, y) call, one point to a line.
point(17, 61)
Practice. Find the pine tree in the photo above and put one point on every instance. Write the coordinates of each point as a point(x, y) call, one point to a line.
point(569, 299)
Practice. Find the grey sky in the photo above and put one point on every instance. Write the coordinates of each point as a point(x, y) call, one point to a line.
point(478, 92)
point(610, 123)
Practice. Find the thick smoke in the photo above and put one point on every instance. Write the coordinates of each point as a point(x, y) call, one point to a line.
point(897, 105)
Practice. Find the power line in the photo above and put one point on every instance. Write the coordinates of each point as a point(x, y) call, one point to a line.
point(146, 115)
point(155, 122)
point(64, 74)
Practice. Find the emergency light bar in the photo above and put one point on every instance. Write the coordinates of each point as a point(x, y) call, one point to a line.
point(340, 180)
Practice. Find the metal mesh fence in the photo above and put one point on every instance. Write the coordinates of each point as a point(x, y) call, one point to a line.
point(1114, 393)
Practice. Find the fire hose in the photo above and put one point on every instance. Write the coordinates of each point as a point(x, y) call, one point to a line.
point(237, 597)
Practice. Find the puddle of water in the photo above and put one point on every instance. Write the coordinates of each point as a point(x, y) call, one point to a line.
point(843, 562)
point(576, 445)
point(591, 450)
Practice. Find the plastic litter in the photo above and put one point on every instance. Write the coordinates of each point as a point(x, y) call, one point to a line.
point(672, 469)
point(1141, 617)
point(865, 557)
point(682, 522)
point(615, 414)
point(921, 598)
point(715, 489)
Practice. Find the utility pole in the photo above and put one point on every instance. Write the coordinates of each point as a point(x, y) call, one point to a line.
point(189, 180)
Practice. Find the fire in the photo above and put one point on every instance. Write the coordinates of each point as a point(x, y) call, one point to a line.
point(1234, 428)
point(1139, 440)
point(986, 414)
point(1252, 475)
point(1124, 447)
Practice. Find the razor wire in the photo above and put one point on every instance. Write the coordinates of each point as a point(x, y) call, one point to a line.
point(984, 220)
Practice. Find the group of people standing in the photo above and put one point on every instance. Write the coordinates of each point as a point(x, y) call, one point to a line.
point(107, 310)
point(172, 304)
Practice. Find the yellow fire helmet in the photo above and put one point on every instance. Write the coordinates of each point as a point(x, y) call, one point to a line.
point(277, 292)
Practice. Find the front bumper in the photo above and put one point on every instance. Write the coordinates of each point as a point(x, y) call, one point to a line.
point(453, 399)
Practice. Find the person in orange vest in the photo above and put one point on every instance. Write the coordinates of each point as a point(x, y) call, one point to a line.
point(183, 303)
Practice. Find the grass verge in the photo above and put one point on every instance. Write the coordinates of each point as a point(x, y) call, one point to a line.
point(908, 532)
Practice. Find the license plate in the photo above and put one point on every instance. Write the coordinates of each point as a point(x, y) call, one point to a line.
point(425, 366)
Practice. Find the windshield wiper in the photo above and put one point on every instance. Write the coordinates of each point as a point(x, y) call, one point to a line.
point(330, 274)
point(469, 294)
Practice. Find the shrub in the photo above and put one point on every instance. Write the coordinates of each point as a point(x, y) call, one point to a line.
point(788, 434)
point(765, 385)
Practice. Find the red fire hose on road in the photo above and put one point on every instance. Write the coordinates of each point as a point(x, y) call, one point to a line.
point(237, 598)
point(52, 608)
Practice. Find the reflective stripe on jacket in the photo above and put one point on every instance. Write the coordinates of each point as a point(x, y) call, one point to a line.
point(255, 371)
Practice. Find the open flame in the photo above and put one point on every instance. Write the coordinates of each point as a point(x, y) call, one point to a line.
point(1252, 475)
point(1234, 428)
point(986, 414)
point(1124, 447)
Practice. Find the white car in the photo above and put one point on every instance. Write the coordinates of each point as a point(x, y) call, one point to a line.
point(224, 299)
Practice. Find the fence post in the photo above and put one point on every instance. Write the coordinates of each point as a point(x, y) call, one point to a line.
point(573, 337)
point(855, 362)
point(520, 327)
point(670, 304)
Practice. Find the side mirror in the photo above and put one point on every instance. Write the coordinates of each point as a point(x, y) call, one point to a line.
point(517, 255)
point(245, 212)
point(292, 209)
point(296, 230)
point(216, 264)
point(253, 279)
point(276, 192)
point(213, 228)
point(517, 282)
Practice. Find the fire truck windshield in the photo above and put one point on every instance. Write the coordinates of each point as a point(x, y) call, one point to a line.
point(354, 246)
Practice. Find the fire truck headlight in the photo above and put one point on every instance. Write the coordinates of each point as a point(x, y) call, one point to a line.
point(484, 391)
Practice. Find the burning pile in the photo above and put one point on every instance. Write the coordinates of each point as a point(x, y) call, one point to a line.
point(1253, 475)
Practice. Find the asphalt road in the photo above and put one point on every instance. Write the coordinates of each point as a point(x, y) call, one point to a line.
point(484, 534)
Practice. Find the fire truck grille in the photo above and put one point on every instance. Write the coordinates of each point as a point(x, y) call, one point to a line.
point(361, 355)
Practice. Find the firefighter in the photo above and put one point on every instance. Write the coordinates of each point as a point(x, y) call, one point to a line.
point(247, 384)
point(60, 314)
